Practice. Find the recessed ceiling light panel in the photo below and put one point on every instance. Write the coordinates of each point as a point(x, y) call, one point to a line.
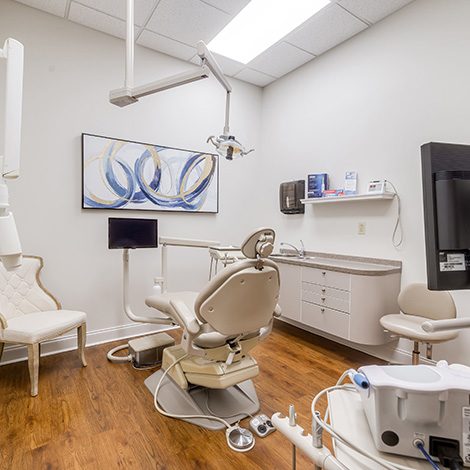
point(260, 25)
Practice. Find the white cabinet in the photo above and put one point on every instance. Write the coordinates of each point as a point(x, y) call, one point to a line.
point(344, 304)
point(289, 295)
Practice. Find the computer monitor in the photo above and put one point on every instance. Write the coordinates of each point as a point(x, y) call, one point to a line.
point(132, 233)
point(446, 198)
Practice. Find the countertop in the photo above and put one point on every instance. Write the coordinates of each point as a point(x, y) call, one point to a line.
point(340, 263)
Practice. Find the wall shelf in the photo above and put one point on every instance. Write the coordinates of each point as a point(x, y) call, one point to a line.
point(355, 197)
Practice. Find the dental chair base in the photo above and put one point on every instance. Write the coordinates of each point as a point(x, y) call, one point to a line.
point(232, 404)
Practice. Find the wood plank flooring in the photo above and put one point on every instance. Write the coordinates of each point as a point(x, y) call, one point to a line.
point(102, 416)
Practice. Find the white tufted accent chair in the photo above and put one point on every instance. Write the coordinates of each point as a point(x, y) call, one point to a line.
point(30, 315)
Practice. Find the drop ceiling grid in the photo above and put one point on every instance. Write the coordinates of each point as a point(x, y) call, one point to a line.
point(142, 8)
point(187, 20)
point(174, 27)
point(330, 27)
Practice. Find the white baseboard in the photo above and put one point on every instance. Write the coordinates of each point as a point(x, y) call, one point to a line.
point(68, 342)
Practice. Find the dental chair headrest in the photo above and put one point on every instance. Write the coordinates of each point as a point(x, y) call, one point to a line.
point(260, 242)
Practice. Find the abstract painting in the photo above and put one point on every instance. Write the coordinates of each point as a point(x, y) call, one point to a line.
point(120, 174)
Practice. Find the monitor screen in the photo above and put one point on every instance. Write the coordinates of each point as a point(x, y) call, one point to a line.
point(132, 233)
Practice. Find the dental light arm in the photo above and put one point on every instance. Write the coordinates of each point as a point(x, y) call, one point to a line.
point(226, 144)
point(10, 247)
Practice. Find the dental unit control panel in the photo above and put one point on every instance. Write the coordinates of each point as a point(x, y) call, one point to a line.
point(261, 425)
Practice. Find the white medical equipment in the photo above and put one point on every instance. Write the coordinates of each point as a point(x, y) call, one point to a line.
point(206, 380)
point(411, 411)
point(10, 246)
point(226, 255)
point(405, 405)
point(226, 145)
point(147, 352)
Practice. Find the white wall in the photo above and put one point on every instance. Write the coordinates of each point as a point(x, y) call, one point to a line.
point(69, 71)
point(367, 106)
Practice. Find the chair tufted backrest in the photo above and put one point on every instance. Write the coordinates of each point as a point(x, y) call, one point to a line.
point(21, 291)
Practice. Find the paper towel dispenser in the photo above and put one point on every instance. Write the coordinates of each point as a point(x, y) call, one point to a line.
point(290, 194)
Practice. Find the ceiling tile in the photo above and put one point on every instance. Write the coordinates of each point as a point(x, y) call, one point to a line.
point(233, 7)
point(331, 26)
point(280, 59)
point(252, 76)
point(373, 10)
point(167, 46)
point(117, 8)
point(96, 20)
point(188, 21)
point(56, 7)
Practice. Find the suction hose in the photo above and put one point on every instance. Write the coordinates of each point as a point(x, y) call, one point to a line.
point(118, 359)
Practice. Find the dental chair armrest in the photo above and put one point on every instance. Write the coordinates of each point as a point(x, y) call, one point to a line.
point(186, 317)
point(277, 311)
point(432, 326)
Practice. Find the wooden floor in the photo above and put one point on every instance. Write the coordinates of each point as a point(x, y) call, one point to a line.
point(102, 416)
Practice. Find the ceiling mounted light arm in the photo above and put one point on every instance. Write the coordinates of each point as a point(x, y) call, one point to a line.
point(130, 94)
point(226, 145)
point(208, 59)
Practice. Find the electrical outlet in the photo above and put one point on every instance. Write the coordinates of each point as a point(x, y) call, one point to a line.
point(361, 228)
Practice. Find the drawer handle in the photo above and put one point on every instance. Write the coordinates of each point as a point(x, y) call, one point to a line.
point(323, 272)
point(323, 299)
point(322, 310)
point(323, 290)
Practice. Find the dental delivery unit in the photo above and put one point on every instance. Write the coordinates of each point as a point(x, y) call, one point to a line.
point(419, 411)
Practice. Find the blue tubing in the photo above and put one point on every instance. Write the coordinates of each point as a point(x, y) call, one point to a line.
point(421, 448)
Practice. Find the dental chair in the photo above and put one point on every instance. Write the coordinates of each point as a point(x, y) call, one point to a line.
point(210, 372)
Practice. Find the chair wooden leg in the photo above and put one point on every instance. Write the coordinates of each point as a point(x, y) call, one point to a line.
point(416, 353)
point(33, 365)
point(81, 339)
point(2, 345)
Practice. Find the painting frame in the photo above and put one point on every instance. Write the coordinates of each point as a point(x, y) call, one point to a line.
point(119, 174)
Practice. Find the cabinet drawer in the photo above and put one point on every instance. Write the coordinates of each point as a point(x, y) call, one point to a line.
point(326, 301)
point(327, 278)
point(326, 291)
point(325, 319)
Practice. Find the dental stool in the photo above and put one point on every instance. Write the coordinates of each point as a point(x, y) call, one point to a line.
point(418, 304)
point(210, 372)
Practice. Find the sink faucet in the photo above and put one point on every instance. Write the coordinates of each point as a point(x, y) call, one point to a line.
point(300, 252)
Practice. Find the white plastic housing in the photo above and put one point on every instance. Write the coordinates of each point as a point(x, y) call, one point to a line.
point(13, 52)
point(10, 246)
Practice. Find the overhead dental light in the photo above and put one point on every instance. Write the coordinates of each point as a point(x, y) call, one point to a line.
point(10, 246)
point(226, 144)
